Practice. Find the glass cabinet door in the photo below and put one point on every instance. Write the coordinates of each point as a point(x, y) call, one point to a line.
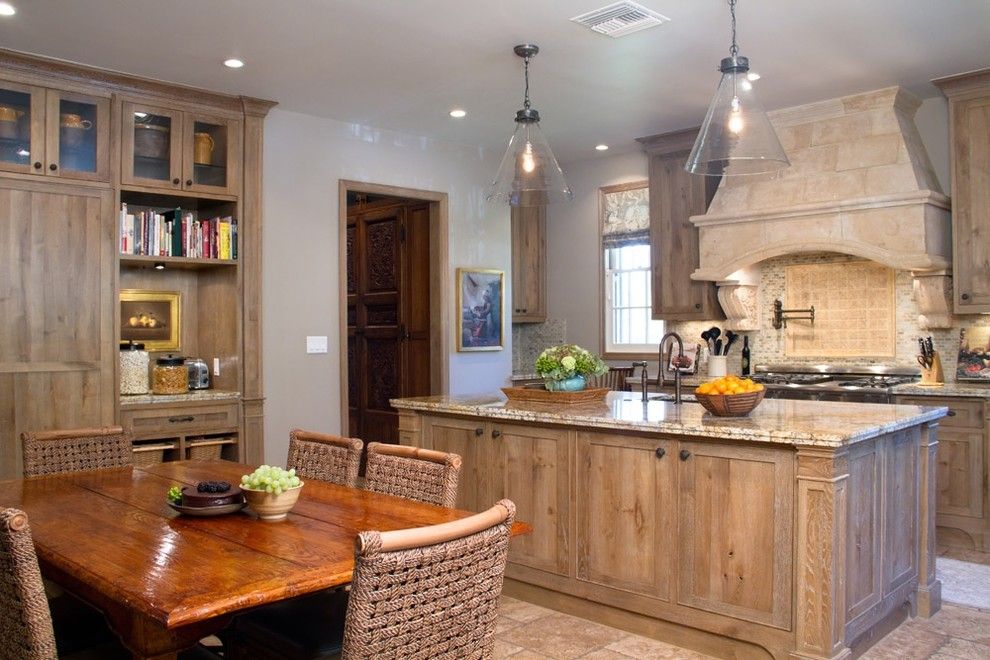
point(22, 127)
point(212, 147)
point(152, 146)
point(78, 133)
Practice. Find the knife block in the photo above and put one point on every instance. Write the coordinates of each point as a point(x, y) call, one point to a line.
point(933, 375)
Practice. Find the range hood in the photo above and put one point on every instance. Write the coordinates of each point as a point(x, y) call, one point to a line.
point(860, 183)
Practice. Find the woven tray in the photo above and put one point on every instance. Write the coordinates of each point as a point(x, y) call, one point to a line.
point(541, 395)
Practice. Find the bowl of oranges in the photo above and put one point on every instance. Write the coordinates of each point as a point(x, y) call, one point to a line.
point(730, 396)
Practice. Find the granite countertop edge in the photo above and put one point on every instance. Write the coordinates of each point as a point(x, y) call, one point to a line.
point(186, 397)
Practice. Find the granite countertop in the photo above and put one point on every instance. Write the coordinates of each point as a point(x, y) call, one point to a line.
point(192, 395)
point(798, 423)
point(975, 390)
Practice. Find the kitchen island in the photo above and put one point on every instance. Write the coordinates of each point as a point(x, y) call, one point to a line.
point(803, 530)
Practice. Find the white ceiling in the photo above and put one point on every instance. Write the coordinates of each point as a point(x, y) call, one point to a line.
point(403, 64)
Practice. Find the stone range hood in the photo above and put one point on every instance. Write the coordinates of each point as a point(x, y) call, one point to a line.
point(860, 183)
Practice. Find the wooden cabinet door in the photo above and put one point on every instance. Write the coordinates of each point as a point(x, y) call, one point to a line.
point(22, 128)
point(529, 466)
point(735, 528)
point(970, 129)
point(676, 195)
point(529, 264)
point(211, 154)
point(471, 441)
point(626, 512)
point(151, 146)
point(77, 136)
point(57, 283)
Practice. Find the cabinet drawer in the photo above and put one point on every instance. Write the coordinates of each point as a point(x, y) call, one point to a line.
point(179, 419)
point(965, 413)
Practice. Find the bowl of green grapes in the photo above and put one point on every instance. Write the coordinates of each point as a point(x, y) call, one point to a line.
point(271, 492)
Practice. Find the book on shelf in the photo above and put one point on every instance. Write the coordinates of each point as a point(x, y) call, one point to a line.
point(177, 233)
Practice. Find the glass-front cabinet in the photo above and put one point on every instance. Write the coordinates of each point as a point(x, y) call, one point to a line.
point(54, 132)
point(165, 148)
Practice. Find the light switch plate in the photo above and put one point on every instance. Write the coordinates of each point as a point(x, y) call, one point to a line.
point(316, 344)
point(216, 366)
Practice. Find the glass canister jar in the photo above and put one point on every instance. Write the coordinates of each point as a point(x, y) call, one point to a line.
point(170, 376)
point(134, 363)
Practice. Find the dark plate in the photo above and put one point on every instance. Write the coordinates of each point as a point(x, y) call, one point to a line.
point(207, 511)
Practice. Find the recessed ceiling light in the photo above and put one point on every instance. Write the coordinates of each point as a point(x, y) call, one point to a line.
point(753, 76)
point(602, 147)
point(7, 9)
point(457, 113)
point(233, 63)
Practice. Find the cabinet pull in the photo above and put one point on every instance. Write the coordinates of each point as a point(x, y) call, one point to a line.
point(951, 413)
point(188, 182)
point(176, 182)
point(685, 454)
point(479, 431)
point(496, 433)
point(177, 420)
point(53, 167)
point(37, 165)
point(660, 452)
point(697, 305)
point(965, 296)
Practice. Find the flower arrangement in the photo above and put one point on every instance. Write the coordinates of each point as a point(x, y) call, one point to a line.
point(569, 360)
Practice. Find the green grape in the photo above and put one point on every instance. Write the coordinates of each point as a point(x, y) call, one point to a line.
point(271, 479)
point(175, 495)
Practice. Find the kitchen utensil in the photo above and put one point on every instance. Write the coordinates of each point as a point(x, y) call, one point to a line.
point(930, 346)
point(718, 347)
point(717, 366)
point(75, 121)
point(203, 148)
point(9, 122)
point(730, 339)
point(707, 336)
point(151, 140)
point(199, 374)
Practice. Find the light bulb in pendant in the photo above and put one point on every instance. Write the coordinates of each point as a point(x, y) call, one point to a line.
point(735, 116)
point(528, 164)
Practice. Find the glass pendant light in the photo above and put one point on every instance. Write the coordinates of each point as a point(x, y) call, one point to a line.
point(529, 174)
point(736, 136)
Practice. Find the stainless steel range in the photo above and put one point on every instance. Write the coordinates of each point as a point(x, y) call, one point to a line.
point(830, 383)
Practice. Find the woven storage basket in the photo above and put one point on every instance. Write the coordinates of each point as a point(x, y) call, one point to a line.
point(205, 451)
point(731, 405)
point(150, 454)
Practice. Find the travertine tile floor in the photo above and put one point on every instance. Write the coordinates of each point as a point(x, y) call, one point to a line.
point(527, 632)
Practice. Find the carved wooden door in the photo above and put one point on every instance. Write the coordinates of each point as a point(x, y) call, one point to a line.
point(387, 314)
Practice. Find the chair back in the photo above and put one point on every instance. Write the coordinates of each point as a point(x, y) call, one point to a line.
point(416, 474)
point(27, 622)
point(431, 591)
point(614, 379)
point(330, 458)
point(76, 450)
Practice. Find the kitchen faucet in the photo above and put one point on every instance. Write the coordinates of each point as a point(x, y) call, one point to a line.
point(680, 361)
point(644, 376)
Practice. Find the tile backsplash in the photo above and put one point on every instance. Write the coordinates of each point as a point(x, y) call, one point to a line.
point(529, 340)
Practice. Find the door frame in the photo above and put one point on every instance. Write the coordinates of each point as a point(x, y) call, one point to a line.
point(439, 266)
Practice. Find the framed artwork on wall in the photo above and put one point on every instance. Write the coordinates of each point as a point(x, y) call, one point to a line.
point(480, 305)
point(151, 318)
point(974, 354)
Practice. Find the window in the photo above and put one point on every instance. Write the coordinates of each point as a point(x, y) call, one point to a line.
point(629, 326)
point(625, 231)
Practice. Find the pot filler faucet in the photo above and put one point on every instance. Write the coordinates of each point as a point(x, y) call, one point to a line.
point(680, 361)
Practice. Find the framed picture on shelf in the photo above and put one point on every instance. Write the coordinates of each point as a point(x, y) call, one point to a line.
point(691, 351)
point(151, 318)
point(974, 354)
point(480, 302)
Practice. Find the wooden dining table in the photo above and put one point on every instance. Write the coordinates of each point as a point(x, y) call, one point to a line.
point(166, 580)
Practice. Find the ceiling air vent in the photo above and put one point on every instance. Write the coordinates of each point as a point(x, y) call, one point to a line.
point(620, 18)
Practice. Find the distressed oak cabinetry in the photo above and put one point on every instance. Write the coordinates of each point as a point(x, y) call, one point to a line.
point(529, 264)
point(676, 195)
point(969, 139)
point(70, 153)
point(963, 499)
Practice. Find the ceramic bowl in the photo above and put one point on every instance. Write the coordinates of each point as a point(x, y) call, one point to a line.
point(269, 506)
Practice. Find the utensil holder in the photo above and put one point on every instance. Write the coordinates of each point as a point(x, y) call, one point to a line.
point(716, 366)
point(933, 375)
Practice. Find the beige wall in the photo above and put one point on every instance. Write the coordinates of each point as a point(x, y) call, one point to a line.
point(305, 157)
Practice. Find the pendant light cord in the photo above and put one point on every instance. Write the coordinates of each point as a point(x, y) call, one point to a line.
point(734, 49)
point(526, 64)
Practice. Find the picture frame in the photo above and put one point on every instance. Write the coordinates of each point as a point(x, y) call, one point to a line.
point(151, 318)
point(480, 309)
point(974, 354)
point(692, 351)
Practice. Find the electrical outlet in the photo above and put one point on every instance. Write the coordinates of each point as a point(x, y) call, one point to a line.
point(316, 344)
point(216, 366)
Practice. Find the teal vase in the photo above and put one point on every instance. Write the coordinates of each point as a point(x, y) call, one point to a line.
point(572, 384)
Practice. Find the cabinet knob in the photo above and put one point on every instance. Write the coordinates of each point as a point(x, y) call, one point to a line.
point(524, 311)
point(176, 181)
point(685, 454)
point(965, 296)
point(479, 431)
point(53, 167)
point(496, 433)
point(951, 413)
point(697, 305)
point(660, 452)
point(188, 182)
point(37, 165)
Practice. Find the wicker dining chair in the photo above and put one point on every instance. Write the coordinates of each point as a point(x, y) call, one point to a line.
point(416, 474)
point(428, 592)
point(76, 450)
point(614, 379)
point(325, 457)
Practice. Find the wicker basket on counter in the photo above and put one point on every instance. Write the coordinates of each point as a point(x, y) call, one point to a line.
point(731, 405)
